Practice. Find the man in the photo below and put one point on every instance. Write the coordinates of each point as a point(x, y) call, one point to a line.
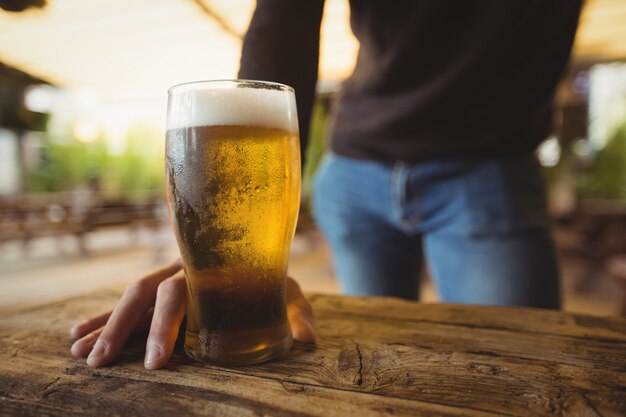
point(432, 151)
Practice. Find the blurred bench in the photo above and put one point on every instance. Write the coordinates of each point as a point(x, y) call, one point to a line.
point(25, 218)
point(595, 233)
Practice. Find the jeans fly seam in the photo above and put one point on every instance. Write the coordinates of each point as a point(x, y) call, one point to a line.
point(399, 178)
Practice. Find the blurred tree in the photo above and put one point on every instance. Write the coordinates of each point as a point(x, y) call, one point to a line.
point(607, 176)
point(65, 163)
point(317, 143)
point(141, 166)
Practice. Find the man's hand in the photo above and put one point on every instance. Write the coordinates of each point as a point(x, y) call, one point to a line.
point(158, 302)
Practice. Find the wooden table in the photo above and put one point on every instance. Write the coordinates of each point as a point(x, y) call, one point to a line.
point(374, 357)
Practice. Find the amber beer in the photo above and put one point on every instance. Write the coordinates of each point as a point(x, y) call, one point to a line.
point(233, 178)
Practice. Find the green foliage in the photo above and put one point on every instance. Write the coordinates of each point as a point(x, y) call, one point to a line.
point(66, 163)
point(141, 166)
point(316, 146)
point(607, 177)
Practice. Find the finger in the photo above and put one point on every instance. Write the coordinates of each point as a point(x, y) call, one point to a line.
point(84, 345)
point(299, 314)
point(81, 329)
point(135, 302)
point(93, 323)
point(169, 310)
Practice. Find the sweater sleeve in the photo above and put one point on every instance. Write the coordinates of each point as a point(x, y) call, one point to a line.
point(282, 45)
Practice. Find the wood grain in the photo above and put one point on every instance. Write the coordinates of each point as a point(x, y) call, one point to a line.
point(374, 357)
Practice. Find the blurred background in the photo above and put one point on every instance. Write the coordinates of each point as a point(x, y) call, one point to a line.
point(82, 111)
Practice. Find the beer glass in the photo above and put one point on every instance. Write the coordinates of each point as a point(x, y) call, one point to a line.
point(233, 182)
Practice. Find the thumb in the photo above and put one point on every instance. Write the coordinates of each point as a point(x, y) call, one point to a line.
point(299, 313)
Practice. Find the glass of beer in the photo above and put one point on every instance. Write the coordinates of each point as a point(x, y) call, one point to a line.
point(233, 181)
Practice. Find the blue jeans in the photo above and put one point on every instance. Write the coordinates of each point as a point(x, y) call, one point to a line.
point(481, 226)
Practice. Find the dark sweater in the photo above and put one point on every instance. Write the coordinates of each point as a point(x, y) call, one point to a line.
point(434, 79)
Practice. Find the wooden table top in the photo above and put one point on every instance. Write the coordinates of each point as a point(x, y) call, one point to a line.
point(374, 357)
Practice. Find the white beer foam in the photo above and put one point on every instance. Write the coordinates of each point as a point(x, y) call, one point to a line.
point(225, 105)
